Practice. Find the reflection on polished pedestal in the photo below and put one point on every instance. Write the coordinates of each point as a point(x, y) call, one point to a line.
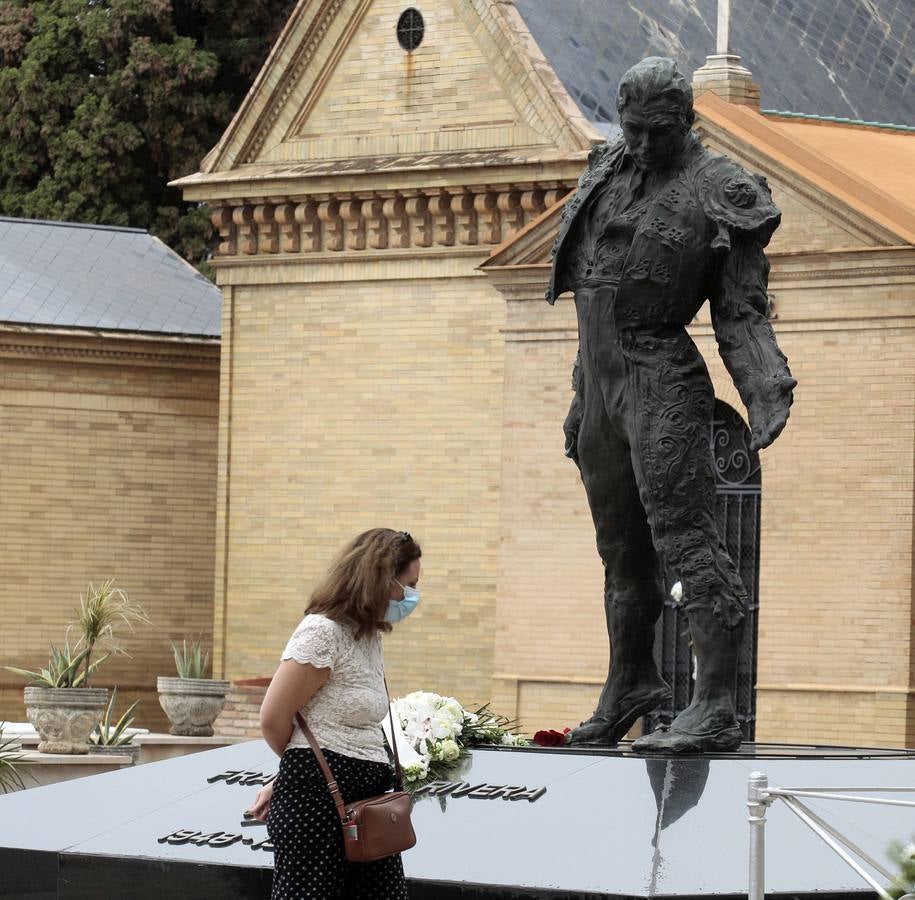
point(609, 824)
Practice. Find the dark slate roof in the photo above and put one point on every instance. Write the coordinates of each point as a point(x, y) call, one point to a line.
point(92, 276)
point(848, 58)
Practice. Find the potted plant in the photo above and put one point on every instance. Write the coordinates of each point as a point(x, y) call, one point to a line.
point(191, 701)
point(112, 737)
point(60, 703)
point(10, 758)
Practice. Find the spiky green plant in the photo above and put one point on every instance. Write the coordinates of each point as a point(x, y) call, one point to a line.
point(107, 734)
point(100, 610)
point(190, 661)
point(10, 758)
point(67, 668)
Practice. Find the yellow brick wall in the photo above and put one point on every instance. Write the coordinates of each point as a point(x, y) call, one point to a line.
point(836, 560)
point(353, 405)
point(108, 471)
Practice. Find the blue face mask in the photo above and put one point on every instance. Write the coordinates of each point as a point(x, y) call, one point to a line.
point(400, 609)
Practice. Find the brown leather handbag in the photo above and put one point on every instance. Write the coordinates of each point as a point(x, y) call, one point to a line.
point(373, 828)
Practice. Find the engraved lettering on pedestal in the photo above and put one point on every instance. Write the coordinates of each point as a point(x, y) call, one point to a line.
point(486, 792)
point(530, 795)
point(202, 839)
point(466, 789)
point(216, 839)
point(224, 840)
point(243, 777)
point(176, 838)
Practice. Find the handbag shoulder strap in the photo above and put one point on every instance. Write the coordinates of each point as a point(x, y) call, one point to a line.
point(397, 767)
point(325, 768)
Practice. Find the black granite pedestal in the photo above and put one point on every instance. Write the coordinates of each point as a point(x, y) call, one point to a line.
point(607, 825)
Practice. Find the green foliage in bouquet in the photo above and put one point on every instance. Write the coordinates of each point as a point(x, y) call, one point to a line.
point(486, 727)
point(111, 734)
point(904, 856)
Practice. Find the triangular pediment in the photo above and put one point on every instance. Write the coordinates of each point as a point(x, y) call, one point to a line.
point(338, 85)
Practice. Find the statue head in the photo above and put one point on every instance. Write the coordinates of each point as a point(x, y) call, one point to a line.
point(655, 105)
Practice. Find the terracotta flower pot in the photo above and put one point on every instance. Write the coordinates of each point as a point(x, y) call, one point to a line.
point(64, 717)
point(192, 704)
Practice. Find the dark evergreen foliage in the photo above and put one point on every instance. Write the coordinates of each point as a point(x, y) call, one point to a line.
point(102, 102)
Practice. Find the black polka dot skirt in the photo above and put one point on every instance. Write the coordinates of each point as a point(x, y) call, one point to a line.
point(308, 861)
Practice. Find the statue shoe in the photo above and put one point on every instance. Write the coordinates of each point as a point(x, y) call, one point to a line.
point(671, 740)
point(606, 731)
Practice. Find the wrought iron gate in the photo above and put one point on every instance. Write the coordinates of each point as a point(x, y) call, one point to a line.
point(738, 490)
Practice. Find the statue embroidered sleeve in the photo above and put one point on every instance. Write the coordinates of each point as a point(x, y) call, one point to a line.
point(746, 341)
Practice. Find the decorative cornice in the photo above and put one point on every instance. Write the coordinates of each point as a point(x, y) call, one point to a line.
point(109, 351)
point(826, 274)
point(378, 221)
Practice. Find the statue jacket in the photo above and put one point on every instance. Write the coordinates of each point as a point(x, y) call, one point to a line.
point(700, 238)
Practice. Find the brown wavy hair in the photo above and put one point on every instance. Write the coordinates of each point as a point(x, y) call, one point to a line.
point(357, 587)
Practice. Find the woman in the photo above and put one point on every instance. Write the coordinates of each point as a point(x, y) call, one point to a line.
point(332, 671)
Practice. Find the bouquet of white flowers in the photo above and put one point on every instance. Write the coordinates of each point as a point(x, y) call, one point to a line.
point(904, 856)
point(440, 730)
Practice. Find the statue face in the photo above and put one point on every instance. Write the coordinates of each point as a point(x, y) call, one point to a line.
point(654, 135)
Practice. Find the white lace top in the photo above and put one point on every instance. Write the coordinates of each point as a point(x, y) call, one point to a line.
point(345, 714)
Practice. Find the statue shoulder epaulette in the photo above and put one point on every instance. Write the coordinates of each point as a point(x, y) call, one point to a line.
point(736, 201)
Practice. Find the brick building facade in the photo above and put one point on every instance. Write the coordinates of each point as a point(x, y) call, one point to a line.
point(385, 218)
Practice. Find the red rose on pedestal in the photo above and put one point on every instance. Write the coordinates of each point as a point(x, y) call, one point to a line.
point(551, 738)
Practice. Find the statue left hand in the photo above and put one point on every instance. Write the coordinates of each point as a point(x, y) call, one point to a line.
point(768, 407)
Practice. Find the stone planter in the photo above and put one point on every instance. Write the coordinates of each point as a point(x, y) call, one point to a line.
point(64, 717)
point(131, 750)
point(192, 704)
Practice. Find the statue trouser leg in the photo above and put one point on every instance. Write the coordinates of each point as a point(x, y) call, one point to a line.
point(632, 585)
point(670, 418)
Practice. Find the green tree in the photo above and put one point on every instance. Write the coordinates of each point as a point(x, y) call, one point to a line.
point(102, 102)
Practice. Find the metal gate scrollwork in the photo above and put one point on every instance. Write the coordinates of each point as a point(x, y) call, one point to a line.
point(738, 488)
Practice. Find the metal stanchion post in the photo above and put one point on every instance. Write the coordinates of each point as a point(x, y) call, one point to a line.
point(758, 801)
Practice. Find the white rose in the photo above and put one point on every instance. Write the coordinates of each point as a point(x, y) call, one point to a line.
point(449, 751)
